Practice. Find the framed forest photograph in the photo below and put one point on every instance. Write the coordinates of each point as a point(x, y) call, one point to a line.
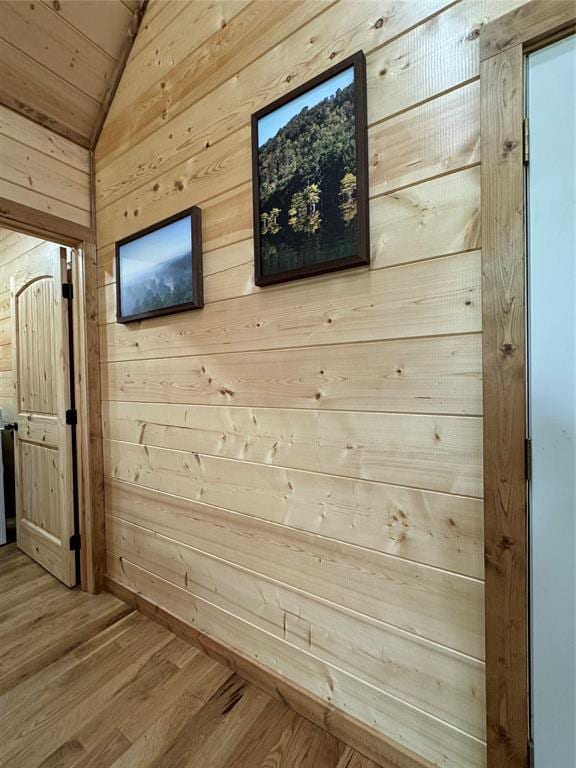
point(310, 177)
point(159, 269)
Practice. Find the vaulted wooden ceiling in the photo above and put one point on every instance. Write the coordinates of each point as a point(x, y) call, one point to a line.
point(60, 60)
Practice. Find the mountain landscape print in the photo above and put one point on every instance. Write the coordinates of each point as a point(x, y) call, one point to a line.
point(307, 198)
point(155, 270)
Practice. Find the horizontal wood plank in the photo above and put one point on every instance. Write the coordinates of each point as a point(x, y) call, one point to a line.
point(39, 33)
point(39, 92)
point(438, 137)
point(17, 258)
point(440, 453)
point(436, 529)
point(103, 22)
point(163, 46)
point(5, 357)
point(7, 395)
point(158, 15)
point(5, 304)
point(44, 175)
point(204, 68)
point(430, 677)
point(275, 38)
point(219, 167)
point(42, 140)
point(26, 215)
point(432, 58)
point(47, 211)
point(405, 725)
point(13, 245)
point(436, 218)
point(377, 585)
point(423, 299)
point(309, 50)
point(227, 218)
point(37, 179)
point(407, 149)
point(401, 377)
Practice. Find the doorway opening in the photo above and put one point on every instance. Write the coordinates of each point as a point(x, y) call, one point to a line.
point(551, 389)
point(527, 380)
point(50, 447)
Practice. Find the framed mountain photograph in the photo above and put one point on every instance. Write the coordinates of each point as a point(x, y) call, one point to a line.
point(159, 270)
point(310, 177)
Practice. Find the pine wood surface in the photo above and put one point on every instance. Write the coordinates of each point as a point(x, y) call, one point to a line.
point(40, 169)
point(43, 446)
point(318, 442)
point(16, 252)
point(87, 682)
point(58, 60)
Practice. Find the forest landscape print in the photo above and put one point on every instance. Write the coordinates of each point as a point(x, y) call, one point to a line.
point(308, 194)
point(159, 271)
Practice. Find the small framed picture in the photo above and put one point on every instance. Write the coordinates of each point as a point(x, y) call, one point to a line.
point(159, 270)
point(310, 177)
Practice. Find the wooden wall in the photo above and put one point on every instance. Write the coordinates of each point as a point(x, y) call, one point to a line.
point(59, 60)
point(296, 470)
point(14, 248)
point(42, 171)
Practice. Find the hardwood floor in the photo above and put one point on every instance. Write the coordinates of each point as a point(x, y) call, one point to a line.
point(87, 682)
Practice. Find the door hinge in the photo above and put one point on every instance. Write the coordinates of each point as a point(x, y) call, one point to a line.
point(526, 140)
point(67, 291)
point(72, 417)
point(75, 542)
point(528, 458)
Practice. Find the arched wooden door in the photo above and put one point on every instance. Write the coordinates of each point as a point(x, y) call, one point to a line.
point(43, 440)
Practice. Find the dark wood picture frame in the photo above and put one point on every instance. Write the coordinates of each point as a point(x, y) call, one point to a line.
point(197, 302)
point(357, 61)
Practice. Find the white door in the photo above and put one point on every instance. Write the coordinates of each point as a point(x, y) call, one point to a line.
point(551, 108)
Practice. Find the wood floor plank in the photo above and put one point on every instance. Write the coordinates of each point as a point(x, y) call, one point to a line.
point(207, 676)
point(19, 573)
point(88, 682)
point(135, 708)
point(152, 744)
point(44, 604)
point(307, 747)
point(8, 552)
point(351, 759)
point(212, 732)
point(23, 592)
point(75, 682)
point(58, 720)
point(101, 739)
point(115, 745)
point(265, 740)
point(29, 687)
point(52, 641)
point(139, 697)
point(68, 753)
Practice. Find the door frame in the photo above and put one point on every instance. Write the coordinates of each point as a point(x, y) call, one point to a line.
point(86, 354)
point(504, 43)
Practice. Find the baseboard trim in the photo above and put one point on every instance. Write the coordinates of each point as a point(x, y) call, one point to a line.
point(341, 725)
